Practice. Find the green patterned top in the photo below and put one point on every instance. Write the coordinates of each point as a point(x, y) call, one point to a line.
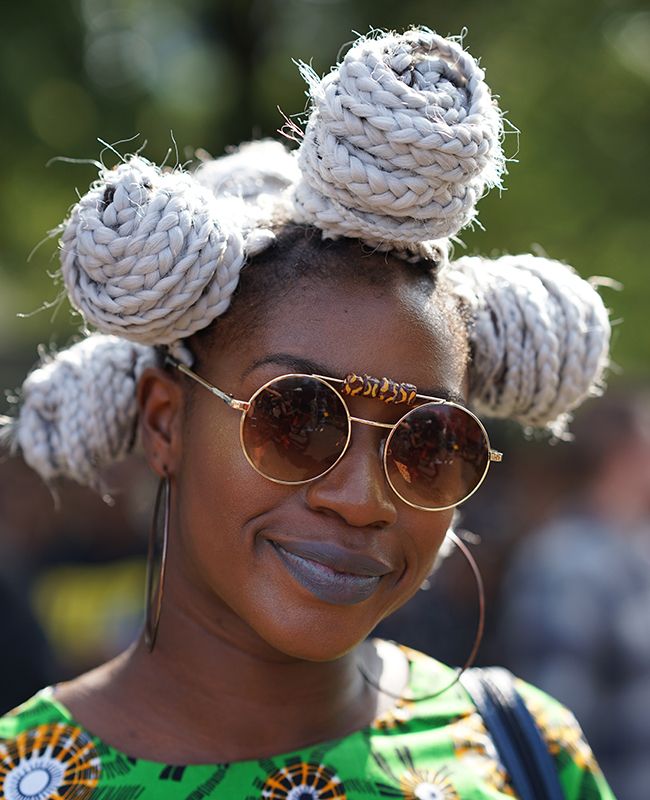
point(435, 749)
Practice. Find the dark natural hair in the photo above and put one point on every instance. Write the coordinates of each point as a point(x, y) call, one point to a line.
point(300, 253)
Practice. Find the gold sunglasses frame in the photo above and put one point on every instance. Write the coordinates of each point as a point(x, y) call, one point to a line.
point(244, 406)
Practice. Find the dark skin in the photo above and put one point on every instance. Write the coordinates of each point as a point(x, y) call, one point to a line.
point(248, 663)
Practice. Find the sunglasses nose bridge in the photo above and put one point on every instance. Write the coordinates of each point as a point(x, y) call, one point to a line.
point(372, 423)
point(356, 487)
point(387, 427)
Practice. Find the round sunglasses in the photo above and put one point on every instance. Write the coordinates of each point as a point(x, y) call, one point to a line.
point(296, 428)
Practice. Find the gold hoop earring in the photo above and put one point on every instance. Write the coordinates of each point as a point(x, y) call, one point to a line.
point(478, 636)
point(156, 551)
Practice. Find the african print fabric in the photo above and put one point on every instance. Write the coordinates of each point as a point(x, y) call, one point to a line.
point(423, 749)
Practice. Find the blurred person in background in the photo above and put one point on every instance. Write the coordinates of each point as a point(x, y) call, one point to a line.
point(71, 573)
point(27, 661)
point(575, 607)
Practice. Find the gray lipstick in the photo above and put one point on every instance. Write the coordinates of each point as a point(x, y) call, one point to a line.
point(345, 580)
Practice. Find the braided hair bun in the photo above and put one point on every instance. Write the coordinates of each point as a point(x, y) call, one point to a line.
point(539, 337)
point(403, 140)
point(149, 255)
point(78, 412)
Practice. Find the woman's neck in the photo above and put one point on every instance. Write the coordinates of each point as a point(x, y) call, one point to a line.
point(200, 697)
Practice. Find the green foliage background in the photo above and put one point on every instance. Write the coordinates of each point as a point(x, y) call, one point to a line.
point(573, 76)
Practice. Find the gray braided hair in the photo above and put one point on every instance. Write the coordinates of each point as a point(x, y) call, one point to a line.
point(403, 140)
point(78, 412)
point(539, 337)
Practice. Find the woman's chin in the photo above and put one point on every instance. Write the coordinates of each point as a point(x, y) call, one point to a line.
point(317, 643)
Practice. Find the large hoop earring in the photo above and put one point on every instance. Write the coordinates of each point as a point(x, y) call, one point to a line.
point(478, 636)
point(156, 562)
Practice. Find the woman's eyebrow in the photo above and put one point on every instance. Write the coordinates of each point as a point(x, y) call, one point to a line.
point(444, 394)
point(309, 367)
point(294, 363)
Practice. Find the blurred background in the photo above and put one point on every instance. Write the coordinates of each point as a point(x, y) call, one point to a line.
point(564, 529)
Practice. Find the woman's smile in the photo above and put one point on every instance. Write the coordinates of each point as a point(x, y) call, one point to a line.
point(332, 573)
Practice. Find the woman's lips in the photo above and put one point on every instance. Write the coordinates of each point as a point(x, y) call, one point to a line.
point(331, 573)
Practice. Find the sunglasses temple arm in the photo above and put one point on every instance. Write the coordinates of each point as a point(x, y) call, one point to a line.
point(239, 405)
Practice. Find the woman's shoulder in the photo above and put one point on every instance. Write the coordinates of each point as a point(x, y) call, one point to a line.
point(580, 774)
point(43, 751)
point(39, 710)
point(578, 771)
point(454, 711)
point(565, 740)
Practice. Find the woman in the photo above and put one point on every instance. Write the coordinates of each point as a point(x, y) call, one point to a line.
point(294, 511)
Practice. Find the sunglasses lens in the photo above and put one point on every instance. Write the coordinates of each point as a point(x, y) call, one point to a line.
point(295, 429)
point(436, 456)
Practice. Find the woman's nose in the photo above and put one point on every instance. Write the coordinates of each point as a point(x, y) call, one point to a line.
point(356, 488)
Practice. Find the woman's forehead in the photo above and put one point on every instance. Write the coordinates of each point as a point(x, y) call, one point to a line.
point(395, 331)
point(291, 363)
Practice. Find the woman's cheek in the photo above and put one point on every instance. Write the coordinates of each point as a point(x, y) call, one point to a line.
point(426, 532)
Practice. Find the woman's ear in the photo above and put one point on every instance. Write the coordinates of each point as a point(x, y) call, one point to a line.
point(160, 404)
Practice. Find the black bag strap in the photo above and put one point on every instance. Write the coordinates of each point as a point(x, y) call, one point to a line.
point(515, 734)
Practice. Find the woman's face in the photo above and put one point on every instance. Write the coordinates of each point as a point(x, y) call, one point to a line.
point(251, 556)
